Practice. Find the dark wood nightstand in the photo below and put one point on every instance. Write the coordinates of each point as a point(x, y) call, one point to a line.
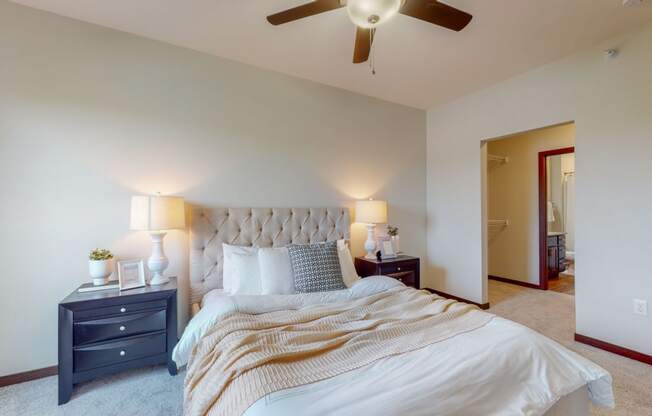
point(109, 331)
point(402, 268)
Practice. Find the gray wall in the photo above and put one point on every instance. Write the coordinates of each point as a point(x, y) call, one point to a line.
point(90, 116)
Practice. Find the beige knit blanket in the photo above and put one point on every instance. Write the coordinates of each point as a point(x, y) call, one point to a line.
point(245, 357)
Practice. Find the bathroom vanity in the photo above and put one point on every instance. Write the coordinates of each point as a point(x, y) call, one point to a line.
point(556, 253)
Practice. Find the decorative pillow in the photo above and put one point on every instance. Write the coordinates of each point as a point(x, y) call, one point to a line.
point(241, 274)
point(316, 267)
point(349, 275)
point(275, 271)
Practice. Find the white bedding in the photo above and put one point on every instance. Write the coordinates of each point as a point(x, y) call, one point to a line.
point(216, 303)
point(502, 368)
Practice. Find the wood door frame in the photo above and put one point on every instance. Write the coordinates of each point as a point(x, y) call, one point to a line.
point(543, 212)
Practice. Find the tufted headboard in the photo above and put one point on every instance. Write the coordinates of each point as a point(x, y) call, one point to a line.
point(261, 227)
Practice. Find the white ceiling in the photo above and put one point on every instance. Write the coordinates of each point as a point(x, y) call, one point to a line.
point(417, 64)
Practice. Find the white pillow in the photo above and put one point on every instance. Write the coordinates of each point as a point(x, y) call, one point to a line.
point(241, 274)
point(349, 275)
point(275, 271)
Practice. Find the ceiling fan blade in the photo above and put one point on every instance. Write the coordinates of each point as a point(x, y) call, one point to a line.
point(363, 40)
point(305, 10)
point(437, 13)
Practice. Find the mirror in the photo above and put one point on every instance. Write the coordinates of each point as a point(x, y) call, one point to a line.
point(561, 196)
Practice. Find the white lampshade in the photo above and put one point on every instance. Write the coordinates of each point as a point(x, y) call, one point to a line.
point(371, 211)
point(157, 213)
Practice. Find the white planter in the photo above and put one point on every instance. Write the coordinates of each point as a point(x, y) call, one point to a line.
point(396, 243)
point(100, 270)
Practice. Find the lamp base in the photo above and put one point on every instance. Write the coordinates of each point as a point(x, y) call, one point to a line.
point(370, 244)
point(157, 262)
point(158, 279)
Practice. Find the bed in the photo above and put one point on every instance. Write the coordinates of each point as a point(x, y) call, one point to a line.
point(404, 351)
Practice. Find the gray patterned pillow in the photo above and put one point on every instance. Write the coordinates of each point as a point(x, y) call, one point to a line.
point(316, 267)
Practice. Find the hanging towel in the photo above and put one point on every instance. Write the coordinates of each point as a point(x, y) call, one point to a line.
point(551, 212)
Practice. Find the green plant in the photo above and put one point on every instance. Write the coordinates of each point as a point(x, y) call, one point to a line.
point(392, 231)
point(100, 254)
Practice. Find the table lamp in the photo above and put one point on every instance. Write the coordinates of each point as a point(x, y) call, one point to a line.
point(371, 212)
point(157, 214)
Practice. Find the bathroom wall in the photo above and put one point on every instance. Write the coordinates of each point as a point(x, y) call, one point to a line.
point(555, 193)
point(567, 166)
point(561, 192)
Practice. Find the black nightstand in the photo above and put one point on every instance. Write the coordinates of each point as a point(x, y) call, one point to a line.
point(402, 268)
point(109, 331)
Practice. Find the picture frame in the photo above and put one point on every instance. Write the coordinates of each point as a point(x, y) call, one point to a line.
point(131, 274)
point(386, 247)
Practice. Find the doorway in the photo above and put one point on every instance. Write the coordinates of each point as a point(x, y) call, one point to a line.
point(516, 180)
point(557, 220)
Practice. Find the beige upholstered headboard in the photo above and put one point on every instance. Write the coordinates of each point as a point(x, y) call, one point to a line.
point(261, 227)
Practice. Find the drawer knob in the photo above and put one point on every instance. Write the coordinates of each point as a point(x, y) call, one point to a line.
point(123, 310)
point(122, 328)
point(399, 279)
point(398, 268)
point(123, 353)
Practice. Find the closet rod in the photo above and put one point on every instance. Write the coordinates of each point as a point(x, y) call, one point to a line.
point(498, 223)
point(496, 158)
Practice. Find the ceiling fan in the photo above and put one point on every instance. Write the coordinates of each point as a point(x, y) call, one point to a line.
point(367, 15)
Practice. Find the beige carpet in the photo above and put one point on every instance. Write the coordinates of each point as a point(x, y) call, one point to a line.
point(553, 314)
point(153, 392)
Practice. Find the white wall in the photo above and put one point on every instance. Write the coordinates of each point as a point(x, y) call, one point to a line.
point(513, 194)
point(611, 104)
point(90, 116)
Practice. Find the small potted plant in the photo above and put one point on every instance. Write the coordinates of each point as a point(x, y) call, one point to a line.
point(100, 266)
point(392, 232)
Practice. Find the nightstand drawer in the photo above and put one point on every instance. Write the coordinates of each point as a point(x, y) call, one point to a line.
point(387, 269)
point(118, 309)
point(85, 332)
point(407, 278)
point(402, 268)
point(100, 355)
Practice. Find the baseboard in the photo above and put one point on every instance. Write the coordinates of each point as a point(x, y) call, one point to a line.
point(457, 298)
point(28, 376)
point(514, 282)
point(615, 349)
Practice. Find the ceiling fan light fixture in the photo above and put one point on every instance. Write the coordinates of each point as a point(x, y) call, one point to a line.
point(369, 14)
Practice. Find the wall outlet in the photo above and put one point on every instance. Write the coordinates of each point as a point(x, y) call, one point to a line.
point(640, 307)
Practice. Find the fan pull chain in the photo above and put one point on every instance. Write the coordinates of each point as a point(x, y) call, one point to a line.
point(372, 53)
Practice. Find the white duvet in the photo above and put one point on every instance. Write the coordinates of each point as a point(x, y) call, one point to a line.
point(502, 368)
